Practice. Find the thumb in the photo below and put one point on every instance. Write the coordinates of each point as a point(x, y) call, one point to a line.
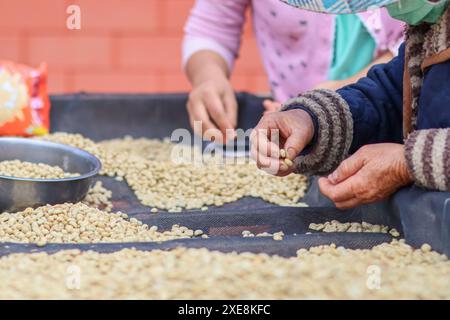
point(295, 143)
point(346, 169)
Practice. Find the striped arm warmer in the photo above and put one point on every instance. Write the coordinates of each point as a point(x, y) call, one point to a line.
point(428, 157)
point(335, 131)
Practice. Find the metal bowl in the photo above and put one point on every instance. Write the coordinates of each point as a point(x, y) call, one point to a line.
point(20, 193)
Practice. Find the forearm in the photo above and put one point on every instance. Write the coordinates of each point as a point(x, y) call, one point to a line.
point(333, 131)
point(367, 112)
point(205, 65)
point(215, 26)
point(385, 58)
point(427, 154)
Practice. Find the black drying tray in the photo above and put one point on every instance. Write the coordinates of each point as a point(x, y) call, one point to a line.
point(102, 116)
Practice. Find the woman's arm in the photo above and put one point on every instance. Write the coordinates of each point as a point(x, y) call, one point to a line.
point(337, 84)
point(215, 26)
point(376, 171)
point(211, 44)
point(321, 127)
point(369, 111)
point(212, 102)
point(385, 58)
point(428, 157)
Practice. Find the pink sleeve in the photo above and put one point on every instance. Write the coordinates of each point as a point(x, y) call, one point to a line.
point(388, 32)
point(394, 32)
point(217, 26)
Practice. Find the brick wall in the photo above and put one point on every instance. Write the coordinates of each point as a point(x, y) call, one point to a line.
point(123, 45)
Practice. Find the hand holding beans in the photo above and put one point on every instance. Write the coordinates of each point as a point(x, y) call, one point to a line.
point(291, 130)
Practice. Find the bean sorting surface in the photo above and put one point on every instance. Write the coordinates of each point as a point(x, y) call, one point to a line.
point(79, 223)
point(163, 176)
point(388, 271)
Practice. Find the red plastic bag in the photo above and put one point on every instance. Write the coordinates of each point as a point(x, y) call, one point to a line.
point(24, 102)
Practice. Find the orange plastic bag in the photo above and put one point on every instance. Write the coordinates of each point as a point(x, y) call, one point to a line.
point(24, 102)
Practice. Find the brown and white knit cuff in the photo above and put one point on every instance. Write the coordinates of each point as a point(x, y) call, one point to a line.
point(335, 131)
point(427, 155)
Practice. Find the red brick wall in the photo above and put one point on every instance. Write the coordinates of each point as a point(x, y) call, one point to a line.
point(123, 45)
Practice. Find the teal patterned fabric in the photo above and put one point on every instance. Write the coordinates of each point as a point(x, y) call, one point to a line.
point(339, 6)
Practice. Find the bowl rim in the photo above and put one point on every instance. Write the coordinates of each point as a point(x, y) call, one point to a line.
point(97, 163)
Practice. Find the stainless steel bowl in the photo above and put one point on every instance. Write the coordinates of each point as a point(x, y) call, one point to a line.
point(20, 193)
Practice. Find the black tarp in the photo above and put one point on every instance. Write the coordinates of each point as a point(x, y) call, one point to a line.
point(421, 216)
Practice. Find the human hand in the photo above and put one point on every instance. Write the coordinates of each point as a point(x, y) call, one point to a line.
point(373, 173)
point(213, 102)
point(290, 130)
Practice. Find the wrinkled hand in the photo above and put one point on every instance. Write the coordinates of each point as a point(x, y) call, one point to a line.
point(291, 130)
point(213, 102)
point(373, 173)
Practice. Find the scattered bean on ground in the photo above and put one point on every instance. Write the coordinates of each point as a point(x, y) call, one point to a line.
point(336, 226)
point(99, 197)
point(276, 236)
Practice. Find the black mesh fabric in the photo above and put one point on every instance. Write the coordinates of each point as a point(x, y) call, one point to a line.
point(250, 214)
point(419, 215)
point(286, 248)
